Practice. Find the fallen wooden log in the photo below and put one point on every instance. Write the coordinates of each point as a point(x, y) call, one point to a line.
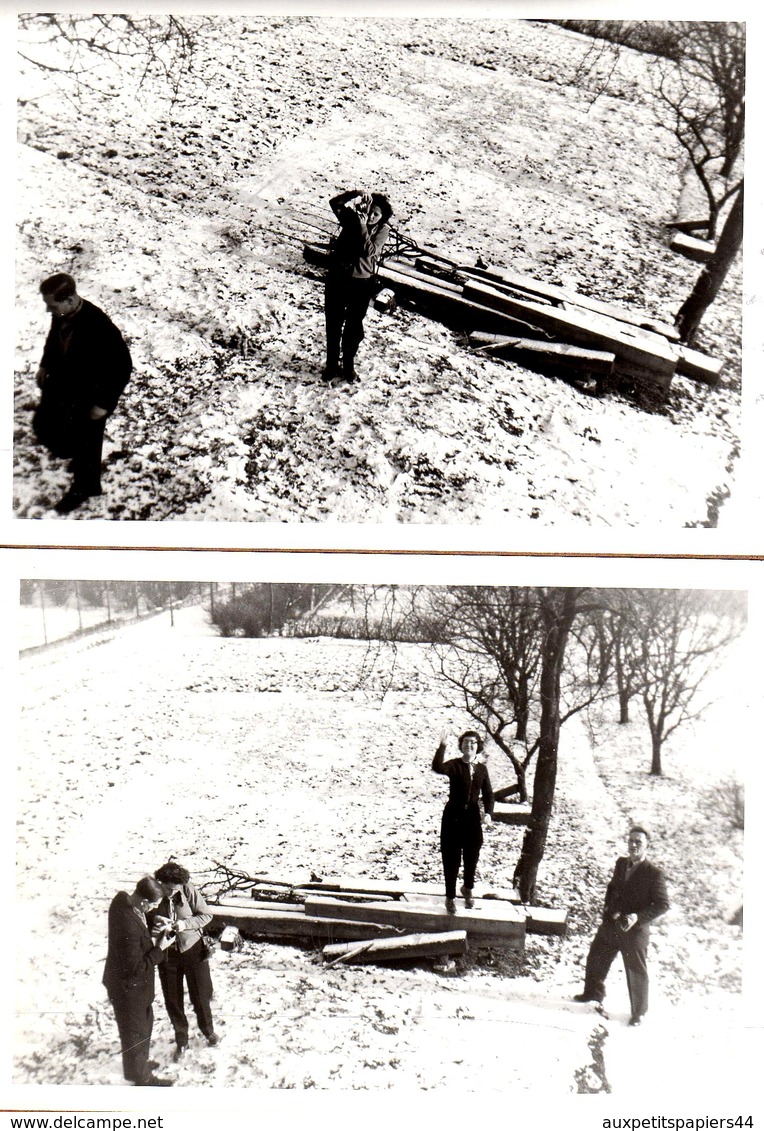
point(652, 359)
point(278, 925)
point(452, 306)
point(546, 921)
point(699, 251)
point(300, 894)
point(407, 946)
point(698, 366)
point(503, 923)
point(535, 289)
point(511, 812)
point(689, 227)
point(554, 353)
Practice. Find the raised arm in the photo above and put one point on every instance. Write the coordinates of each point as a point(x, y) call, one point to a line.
point(338, 202)
point(437, 762)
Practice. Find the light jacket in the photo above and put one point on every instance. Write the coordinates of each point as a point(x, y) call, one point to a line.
point(189, 908)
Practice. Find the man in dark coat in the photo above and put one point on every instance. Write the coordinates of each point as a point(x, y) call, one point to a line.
point(635, 896)
point(128, 975)
point(84, 369)
point(364, 220)
point(461, 831)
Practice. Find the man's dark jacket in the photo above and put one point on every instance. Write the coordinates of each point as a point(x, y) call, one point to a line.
point(93, 369)
point(643, 893)
point(132, 955)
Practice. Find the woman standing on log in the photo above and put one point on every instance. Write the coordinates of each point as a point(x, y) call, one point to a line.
point(461, 832)
point(364, 227)
point(184, 914)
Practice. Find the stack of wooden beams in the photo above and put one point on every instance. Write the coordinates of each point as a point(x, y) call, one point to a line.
point(410, 918)
point(514, 315)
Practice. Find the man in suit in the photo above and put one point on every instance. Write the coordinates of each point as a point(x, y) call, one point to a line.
point(84, 369)
point(461, 832)
point(635, 896)
point(132, 956)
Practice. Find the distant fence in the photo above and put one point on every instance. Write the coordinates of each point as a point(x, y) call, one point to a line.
point(53, 612)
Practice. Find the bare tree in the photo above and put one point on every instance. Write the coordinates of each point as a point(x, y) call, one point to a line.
point(697, 80)
point(95, 51)
point(487, 648)
point(701, 100)
point(675, 643)
point(711, 278)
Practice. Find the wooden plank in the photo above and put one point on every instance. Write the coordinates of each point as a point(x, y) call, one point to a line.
point(699, 251)
point(498, 920)
point(688, 226)
point(446, 304)
point(637, 355)
point(300, 894)
point(407, 946)
point(405, 268)
point(534, 287)
point(394, 889)
point(511, 812)
point(276, 925)
point(556, 353)
point(546, 921)
point(698, 366)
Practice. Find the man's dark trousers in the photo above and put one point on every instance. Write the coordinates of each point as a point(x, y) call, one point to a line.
point(632, 944)
point(190, 965)
point(86, 461)
point(135, 1021)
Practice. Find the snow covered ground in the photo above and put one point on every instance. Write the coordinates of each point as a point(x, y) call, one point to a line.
point(153, 740)
point(185, 222)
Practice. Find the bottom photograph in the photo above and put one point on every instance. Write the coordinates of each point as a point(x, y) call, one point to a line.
point(354, 836)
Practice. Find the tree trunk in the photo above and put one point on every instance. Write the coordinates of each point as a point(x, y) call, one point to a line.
point(558, 611)
point(522, 785)
point(656, 768)
point(623, 703)
point(712, 276)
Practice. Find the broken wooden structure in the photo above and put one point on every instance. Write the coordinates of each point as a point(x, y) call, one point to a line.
point(543, 325)
point(376, 920)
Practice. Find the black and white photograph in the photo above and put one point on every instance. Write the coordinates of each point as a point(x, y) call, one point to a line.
point(396, 761)
point(278, 267)
point(382, 837)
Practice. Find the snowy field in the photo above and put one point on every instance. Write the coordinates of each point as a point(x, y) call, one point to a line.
point(185, 223)
point(274, 754)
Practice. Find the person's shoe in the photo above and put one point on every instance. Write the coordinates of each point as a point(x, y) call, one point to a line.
point(212, 1039)
point(350, 375)
point(153, 1081)
point(70, 501)
point(181, 1048)
point(152, 1064)
point(636, 1020)
point(586, 997)
point(469, 902)
point(330, 372)
point(451, 906)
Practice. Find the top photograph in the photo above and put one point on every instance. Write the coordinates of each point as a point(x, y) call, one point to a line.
point(371, 270)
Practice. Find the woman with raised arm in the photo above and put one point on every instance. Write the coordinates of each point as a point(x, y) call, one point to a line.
point(461, 828)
